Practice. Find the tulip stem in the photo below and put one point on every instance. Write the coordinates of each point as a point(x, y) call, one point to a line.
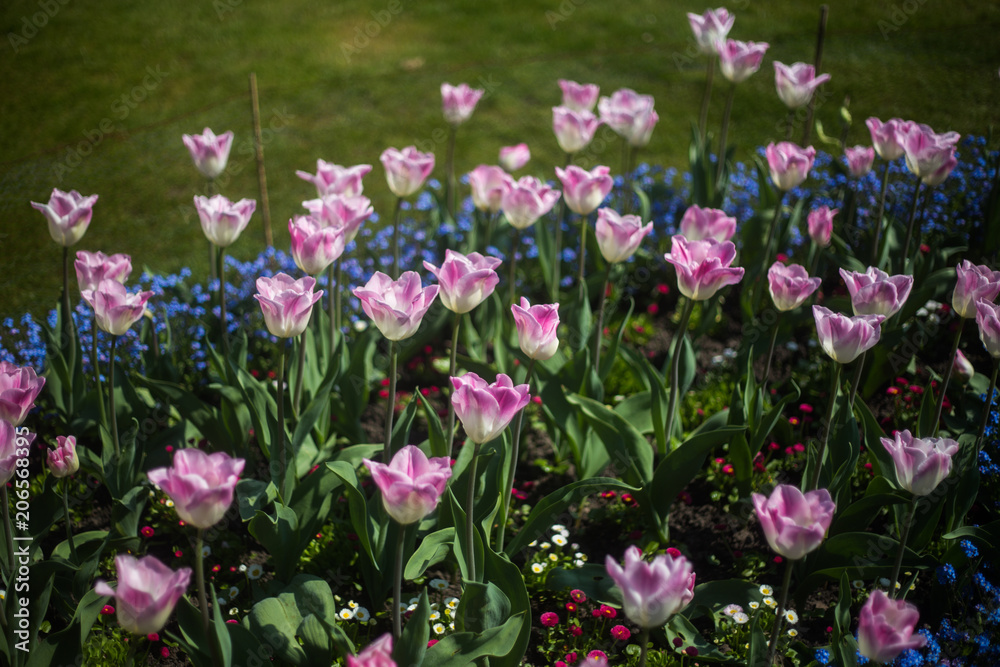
point(9, 532)
point(199, 568)
point(452, 186)
point(512, 466)
point(557, 255)
point(767, 245)
point(878, 219)
point(909, 226)
point(222, 307)
point(770, 351)
point(987, 408)
point(397, 586)
point(581, 259)
point(299, 377)
point(331, 304)
point(395, 238)
point(724, 136)
point(706, 97)
point(598, 338)
point(814, 482)
point(69, 527)
point(97, 371)
point(67, 313)
point(643, 641)
point(907, 521)
point(283, 454)
point(470, 512)
point(857, 379)
point(452, 368)
point(390, 408)
point(779, 622)
point(513, 263)
point(674, 368)
point(947, 378)
point(112, 416)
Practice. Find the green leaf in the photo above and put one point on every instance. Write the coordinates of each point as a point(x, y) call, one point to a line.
point(274, 620)
point(276, 532)
point(680, 627)
point(433, 549)
point(631, 454)
point(412, 645)
point(363, 523)
point(221, 637)
point(612, 354)
point(483, 606)
point(435, 435)
point(462, 649)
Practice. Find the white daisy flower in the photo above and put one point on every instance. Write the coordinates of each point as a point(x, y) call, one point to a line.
point(451, 626)
point(169, 503)
point(411, 607)
point(206, 551)
point(532, 543)
point(580, 555)
point(346, 614)
point(537, 567)
point(362, 614)
point(243, 567)
point(770, 602)
point(754, 604)
point(858, 584)
point(255, 571)
point(793, 632)
point(438, 584)
point(558, 527)
point(234, 611)
point(438, 628)
point(435, 615)
point(554, 558)
point(451, 603)
point(791, 616)
point(352, 604)
point(415, 600)
point(766, 590)
point(545, 545)
point(731, 609)
point(559, 540)
point(578, 563)
point(740, 617)
point(233, 592)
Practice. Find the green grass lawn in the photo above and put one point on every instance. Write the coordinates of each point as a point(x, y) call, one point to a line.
point(97, 98)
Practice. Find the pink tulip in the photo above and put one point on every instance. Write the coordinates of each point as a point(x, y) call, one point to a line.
point(68, 214)
point(930, 156)
point(988, 319)
point(484, 409)
point(963, 368)
point(859, 160)
point(887, 137)
point(711, 28)
point(209, 152)
point(396, 307)
point(286, 303)
point(19, 387)
point(585, 190)
point(703, 267)
point(845, 338)
point(573, 129)
point(341, 212)
point(629, 114)
point(974, 283)
point(513, 158)
point(376, 654)
point(579, 96)
point(537, 329)
point(789, 164)
point(333, 179)
point(314, 247)
point(114, 308)
point(921, 463)
point(875, 292)
point(797, 83)
point(652, 592)
point(147, 592)
point(794, 523)
point(488, 184)
point(527, 200)
point(619, 236)
point(222, 220)
point(465, 280)
point(886, 628)
point(699, 224)
point(15, 443)
point(406, 170)
point(790, 285)
point(458, 102)
point(201, 485)
point(411, 484)
point(820, 224)
point(738, 60)
point(93, 267)
point(62, 460)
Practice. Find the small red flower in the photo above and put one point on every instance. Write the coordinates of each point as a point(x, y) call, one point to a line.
point(663, 289)
point(571, 607)
point(781, 257)
point(153, 637)
point(578, 595)
point(164, 652)
point(691, 651)
point(608, 612)
point(599, 655)
point(778, 559)
point(805, 407)
point(570, 657)
point(728, 470)
point(575, 630)
point(799, 447)
point(892, 391)
point(673, 552)
point(384, 382)
point(178, 553)
point(147, 531)
point(794, 421)
point(620, 632)
point(550, 619)
point(107, 610)
point(383, 393)
point(652, 309)
point(678, 642)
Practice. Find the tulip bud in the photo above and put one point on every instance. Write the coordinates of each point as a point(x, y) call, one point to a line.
point(988, 319)
point(537, 329)
point(619, 236)
point(963, 368)
point(845, 338)
point(458, 102)
point(209, 152)
point(147, 592)
point(406, 170)
point(794, 523)
point(797, 83)
point(68, 215)
point(703, 267)
point(411, 484)
point(790, 285)
point(484, 409)
point(286, 303)
point(921, 463)
point(62, 460)
point(738, 60)
point(820, 223)
point(19, 387)
point(652, 592)
point(513, 158)
point(577, 96)
point(585, 190)
point(789, 164)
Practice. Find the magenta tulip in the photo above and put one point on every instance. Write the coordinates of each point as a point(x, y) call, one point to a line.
point(333, 179)
point(147, 592)
point(930, 156)
point(93, 267)
point(886, 628)
point(489, 184)
point(376, 654)
point(579, 96)
point(703, 267)
point(584, 190)
point(790, 285)
point(223, 220)
point(62, 460)
point(513, 158)
point(887, 137)
point(15, 443)
point(465, 280)
point(963, 368)
point(988, 319)
point(537, 329)
point(406, 170)
point(789, 164)
point(396, 307)
point(484, 409)
point(845, 338)
point(68, 214)
point(921, 463)
point(115, 309)
point(286, 303)
point(19, 387)
point(738, 60)
point(699, 224)
point(820, 224)
point(629, 114)
point(411, 484)
point(619, 236)
point(859, 160)
point(875, 292)
point(209, 152)
point(794, 523)
point(573, 129)
point(797, 83)
point(458, 102)
point(201, 485)
point(974, 283)
point(314, 247)
point(711, 28)
point(654, 591)
point(526, 201)
point(346, 213)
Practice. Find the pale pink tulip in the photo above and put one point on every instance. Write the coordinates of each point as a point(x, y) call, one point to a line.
point(406, 170)
point(115, 309)
point(342, 212)
point(513, 158)
point(209, 152)
point(579, 96)
point(699, 224)
point(396, 307)
point(886, 628)
point(711, 28)
point(15, 443)
point(484, 409)
point(789, 164)
point(963, 368)
point(629, 114)
point(63, 461)
point(820, 224)
point(573, 129)
point(411, 484)
point(703, 267)
point(790, 285)
point(794, 523)
point(797, 83)
point(333, 179)
point(585, 190)
point(465, 280)
point(738, 60)
point(527, 200)
point(68, 215)
point(930, 156)
point(201, 485)
point(845, 338)
point(93, 267)
point(314, 247)
point(887, 137)
point(921, 463)
point(859, 160)
point(458, 102)
point(537, 329)
point(488, 183)
point(988, 319)
point(619, 236)
point(147, 592)
point(654, 591)
point(376, 654)
point(875, 292)
point(19, 387)
point(974, 283)
point(222, 220)
point(286, 303)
